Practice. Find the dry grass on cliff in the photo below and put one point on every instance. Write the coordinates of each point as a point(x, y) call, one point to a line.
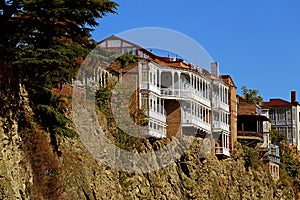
point(44, 162)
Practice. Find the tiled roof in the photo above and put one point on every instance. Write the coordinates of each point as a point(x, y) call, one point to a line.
point(227, 78)
point(170, 62)
point(165, 61)
point(277, 103)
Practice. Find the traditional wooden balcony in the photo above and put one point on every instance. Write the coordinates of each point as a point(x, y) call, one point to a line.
point(222, 151)
point(274, 159)
point(217, 104)
point(156, 115)
point(250, 127)
point(190, 120)
point(150, 132)
point(250, 135)
point(150, 87)
point(217, 125)
point(170, 93)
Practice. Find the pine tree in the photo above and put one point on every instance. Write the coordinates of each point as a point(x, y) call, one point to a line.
point(42, 44)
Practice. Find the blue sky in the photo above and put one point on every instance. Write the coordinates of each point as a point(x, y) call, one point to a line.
point(257, 42)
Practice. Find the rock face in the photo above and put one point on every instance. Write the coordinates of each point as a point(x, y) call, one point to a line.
point(187, 178)
point(82, 177)
point(14, 176)
point(31, 169)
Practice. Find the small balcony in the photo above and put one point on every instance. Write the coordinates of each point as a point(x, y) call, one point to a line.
point(250, 135)
point(274, 159)
point(150, 132)
point(217, 125)
point(217, 104)
point(156, 115)
point(150, 87)
point(222, 151)
point(250, 127)
point(171, 93)
point(190, 120)
point(283, 122)
point(198, 96)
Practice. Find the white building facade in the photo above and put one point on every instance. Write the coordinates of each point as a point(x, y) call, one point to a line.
point(204, 103)
point(178, 99)
point(285, 117)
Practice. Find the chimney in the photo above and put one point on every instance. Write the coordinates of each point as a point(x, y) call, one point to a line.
point(215, 69)
point(293, 96)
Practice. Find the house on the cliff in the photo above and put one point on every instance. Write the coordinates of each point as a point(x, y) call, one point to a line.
point(250, 123)
point(253, 125)
point(177, 98)
point(285, 117)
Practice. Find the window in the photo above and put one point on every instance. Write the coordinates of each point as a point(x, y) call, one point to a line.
point(281, 114)
point(272, 115)
point(126, 50)
point(103, 44)
point(145, 66)
point(193, 110)
point(204, 114)
point(282, 130)
point(289, 115)
point(294, 113)
point(151, 104)
point(144, 76)
point(133, 51)
point(113, 43)
point(216, 116)
point(158, 105)
point(145, 105)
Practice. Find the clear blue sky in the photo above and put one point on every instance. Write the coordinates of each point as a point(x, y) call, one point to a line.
point(257, 42)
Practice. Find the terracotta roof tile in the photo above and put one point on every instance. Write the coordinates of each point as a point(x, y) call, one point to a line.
point(277, 103)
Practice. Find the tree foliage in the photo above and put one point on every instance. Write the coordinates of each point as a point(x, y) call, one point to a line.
point(42, 22)
point(42, 44)
point(128, 60)
point(277, 138)
point(250, 157)
point(252, 96)
point(289, 161)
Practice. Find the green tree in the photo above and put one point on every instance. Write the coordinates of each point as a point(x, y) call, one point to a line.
point(252, 96)
point(277, 138)
point(250, 157)
point(42, 44)
point(44, 27)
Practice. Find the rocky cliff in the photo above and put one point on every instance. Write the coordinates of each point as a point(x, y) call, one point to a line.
point(31, 167)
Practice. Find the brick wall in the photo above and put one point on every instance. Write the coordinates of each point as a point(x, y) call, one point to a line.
point(232, 110)
point(173, 111)
point(247, 109)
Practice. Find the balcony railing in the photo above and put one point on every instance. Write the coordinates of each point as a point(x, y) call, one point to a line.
point(169, 92)
point(250, 135)
point(283, 122)
point(220, 105)
point(150, 132)
point(217, 125)
point(190, 120)
point(274, 159)
point(222, 151)
point(185, 94)
point(156, 115)
point(151, 87)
